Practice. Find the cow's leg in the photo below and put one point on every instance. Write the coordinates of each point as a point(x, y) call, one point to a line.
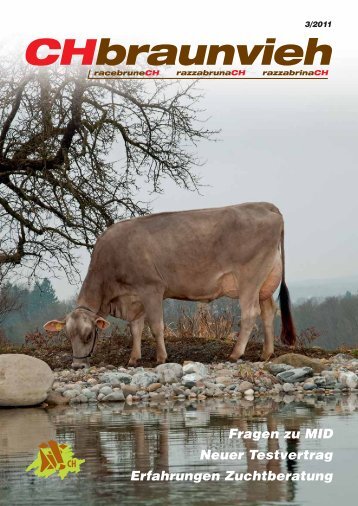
point(250, 309)
point(157, 328)
point(268, 311)
point(153, 305)
point(136, 327)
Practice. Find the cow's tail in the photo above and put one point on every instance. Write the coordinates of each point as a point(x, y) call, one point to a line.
point(288, 331)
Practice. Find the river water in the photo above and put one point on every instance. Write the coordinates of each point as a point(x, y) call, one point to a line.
point(115, 439)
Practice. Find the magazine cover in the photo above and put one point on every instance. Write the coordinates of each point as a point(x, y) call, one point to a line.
point(178, 253)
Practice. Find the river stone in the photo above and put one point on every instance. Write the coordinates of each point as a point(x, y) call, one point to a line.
point(224, 372)
point(309, 386)
point(89, 393)
point(116, 378)
point(154, 386)
point(129, 389)
point(55, 399)
point(298, 361)
point(114, 396)
point(277, 368)
point(169, 373)
point(244, 385)
point(81, 398)
point(348, 378)
point(321, 382)
point(249, 398)
point(331, 375)
point(288, 387)
point(277, 388)
point(106, 390)
point(178, 390)
point(195, 367)
point(293, 375)
point(74, 387)
point(24, 380)
point(189, 380)
point(342, 357)
point(144, 378)
point(70, 394)
point(223, 380)
point(249, 392)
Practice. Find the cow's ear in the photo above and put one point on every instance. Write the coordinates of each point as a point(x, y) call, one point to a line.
point(54, 325)
point(102, 323)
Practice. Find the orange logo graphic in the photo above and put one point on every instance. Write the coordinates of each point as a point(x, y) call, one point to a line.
point(55, 458)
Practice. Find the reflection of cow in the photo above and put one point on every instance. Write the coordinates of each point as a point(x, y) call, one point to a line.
point(269, 491)
point(266, 415)
point(201, 255)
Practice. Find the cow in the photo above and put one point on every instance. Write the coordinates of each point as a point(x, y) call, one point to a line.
point(235, 251)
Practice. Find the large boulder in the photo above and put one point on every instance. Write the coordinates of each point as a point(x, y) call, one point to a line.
point(297, 360)
point(24, 380)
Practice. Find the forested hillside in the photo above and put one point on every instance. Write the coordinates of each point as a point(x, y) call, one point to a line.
point(24, 310)
point(335, 318)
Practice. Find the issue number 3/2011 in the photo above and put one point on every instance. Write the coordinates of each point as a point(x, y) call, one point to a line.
point(318, 24)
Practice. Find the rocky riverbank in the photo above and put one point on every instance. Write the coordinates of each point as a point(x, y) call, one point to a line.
point(289, 375)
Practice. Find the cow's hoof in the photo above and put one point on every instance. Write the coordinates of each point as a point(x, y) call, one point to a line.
point(265, 357)
point(233, 358)
point(161, 361)
point(133, 362)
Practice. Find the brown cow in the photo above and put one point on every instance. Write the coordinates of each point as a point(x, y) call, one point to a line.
point(201, 255)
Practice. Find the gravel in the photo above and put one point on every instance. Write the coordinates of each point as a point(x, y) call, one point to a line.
point(193, 380)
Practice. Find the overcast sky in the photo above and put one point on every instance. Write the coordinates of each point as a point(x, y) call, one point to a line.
point(293, 143)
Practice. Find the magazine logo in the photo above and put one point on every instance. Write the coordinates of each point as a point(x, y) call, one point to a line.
point(55, 458)
point(47, 51)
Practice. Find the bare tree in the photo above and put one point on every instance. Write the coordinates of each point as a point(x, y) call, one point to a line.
point(60, 182)
point(9, 302)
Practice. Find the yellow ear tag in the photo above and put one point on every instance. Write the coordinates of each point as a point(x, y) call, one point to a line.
point(58, 326)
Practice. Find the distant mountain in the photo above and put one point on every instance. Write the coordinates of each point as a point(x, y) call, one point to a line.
point(321, 288)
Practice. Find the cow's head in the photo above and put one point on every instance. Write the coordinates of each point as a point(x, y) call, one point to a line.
point(81, 327)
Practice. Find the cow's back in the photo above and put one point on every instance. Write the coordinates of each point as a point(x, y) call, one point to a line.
point(188, 251)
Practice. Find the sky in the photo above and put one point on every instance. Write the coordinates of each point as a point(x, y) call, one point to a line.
point(293, 143)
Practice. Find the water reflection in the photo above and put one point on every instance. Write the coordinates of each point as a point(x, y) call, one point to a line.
point(115, 439)
point(15, 423)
